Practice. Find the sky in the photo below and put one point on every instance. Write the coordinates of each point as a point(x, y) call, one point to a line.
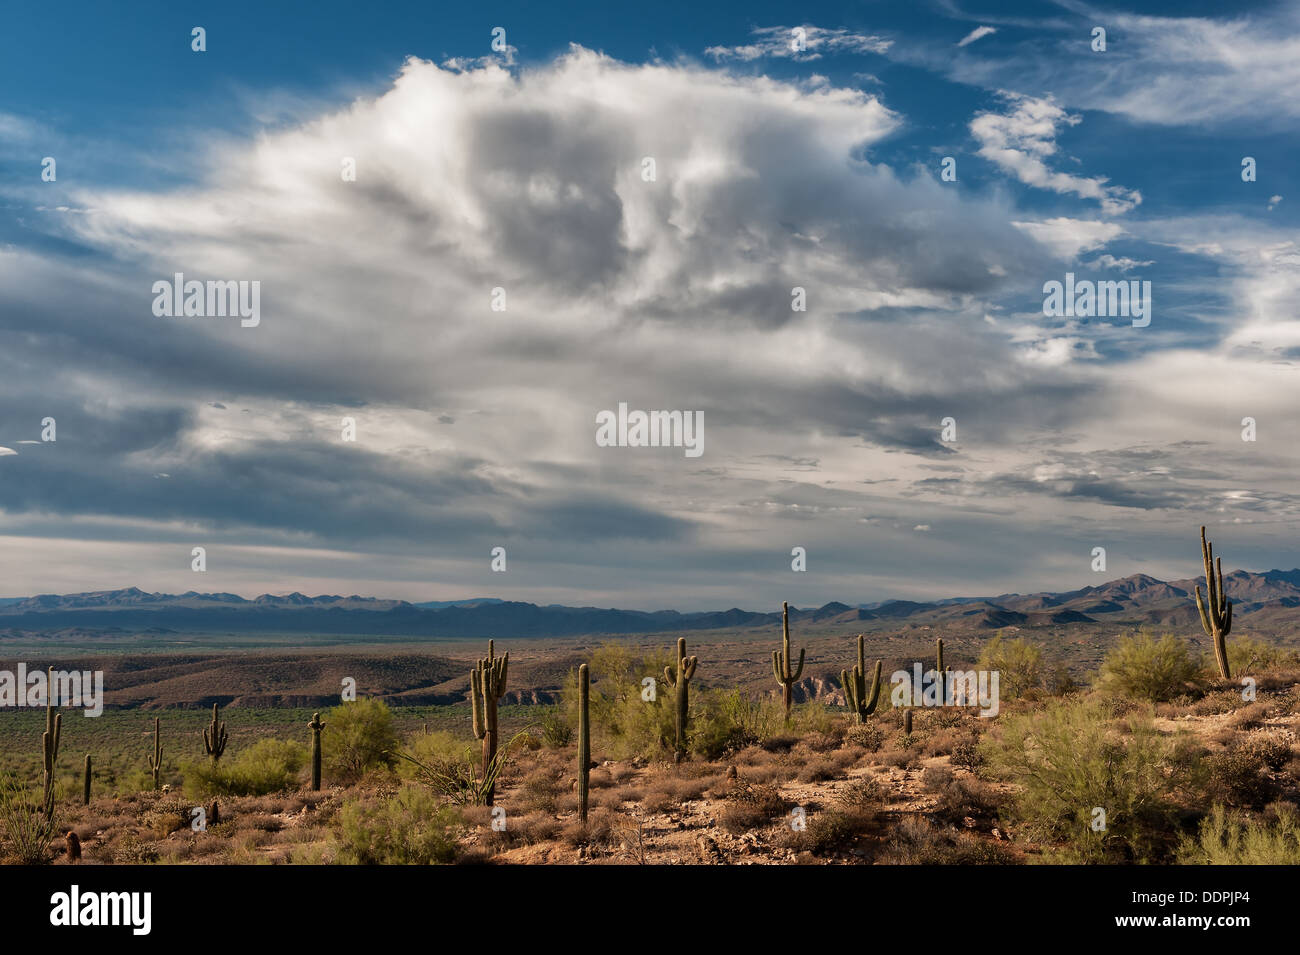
point(474, 229)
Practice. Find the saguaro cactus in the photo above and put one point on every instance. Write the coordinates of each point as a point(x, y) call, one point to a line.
point(155, 761)
point(907, 721)
point(214, 737)
point(1216, 608)
point(487, 684)
point(315, 726)
point(859, 700)
point(584, 739)
point(680, 680)
point(781, 663)
point(85, 793)
point(941, 673)
point(50, 745)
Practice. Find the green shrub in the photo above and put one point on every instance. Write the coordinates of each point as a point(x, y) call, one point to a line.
point(1019, 664)
point(1145, 668)
point(437, 748)
point(407, 828)
point(1229, 839)
point(1246, 656)
point(1069, 759)
point(24, 830)
point(359, 736)
point(557, 731)
point(268, 766)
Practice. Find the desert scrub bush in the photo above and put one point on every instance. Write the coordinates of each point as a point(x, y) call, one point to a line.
point(1069, 759)
point(725, 722)
point(24, 831)
point(1018, 662)
point(1237, 777)
point(1226, 838)
point(916, 841)
point(624, 725)
point(1144, 668)
point(268, 766)
point(600, 829)
point(359, 736)
point(540, 791)
point(1247, 657)
point(836, 828)
point(169, 814)
point(408, 827)
point(867, 735)
point(434, 748)
point(966, 755)
point(752, 806)
point(461, 779)
point(557, 731)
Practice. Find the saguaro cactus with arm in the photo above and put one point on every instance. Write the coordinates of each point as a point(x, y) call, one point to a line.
point(214, 737)
point(681, 680)
point(487, 684)
point(50, 744)
point(1215, 608)
point(859, 700)
point(781, 663)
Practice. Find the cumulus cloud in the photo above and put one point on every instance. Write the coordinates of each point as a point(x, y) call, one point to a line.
point(475, 427)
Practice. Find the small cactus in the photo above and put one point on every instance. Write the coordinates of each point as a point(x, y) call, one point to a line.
point(315, 726)
point(680, 678)
point(50, 746)
point(155, 761)
point(85, 794)
point(907, 721)
point(584, 739)
point(854, 682)
point(487, 684)
point(214, 737)
point(1216, 608)
point(781, 663)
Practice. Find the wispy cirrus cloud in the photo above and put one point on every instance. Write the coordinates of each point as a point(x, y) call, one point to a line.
point(805, 42)
point(978, 33)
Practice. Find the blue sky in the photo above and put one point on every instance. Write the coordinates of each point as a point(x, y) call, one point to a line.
point(477, 168)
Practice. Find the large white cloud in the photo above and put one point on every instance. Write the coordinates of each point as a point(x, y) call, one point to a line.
point(476, 427)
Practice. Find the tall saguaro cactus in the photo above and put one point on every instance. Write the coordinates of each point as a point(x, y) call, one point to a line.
point(1216, 608)
point(859, 700)
point(315, 726)
point(487, 684)
point(584, 739)
point(781, 663)
point(50, 745)
point(680, 680)
point(155, 761)
point(214, 737)
point(85, 792)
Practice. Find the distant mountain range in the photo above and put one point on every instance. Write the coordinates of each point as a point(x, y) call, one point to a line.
point(1268, 602)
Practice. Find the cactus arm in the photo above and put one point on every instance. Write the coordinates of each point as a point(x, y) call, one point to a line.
point(798, 670)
